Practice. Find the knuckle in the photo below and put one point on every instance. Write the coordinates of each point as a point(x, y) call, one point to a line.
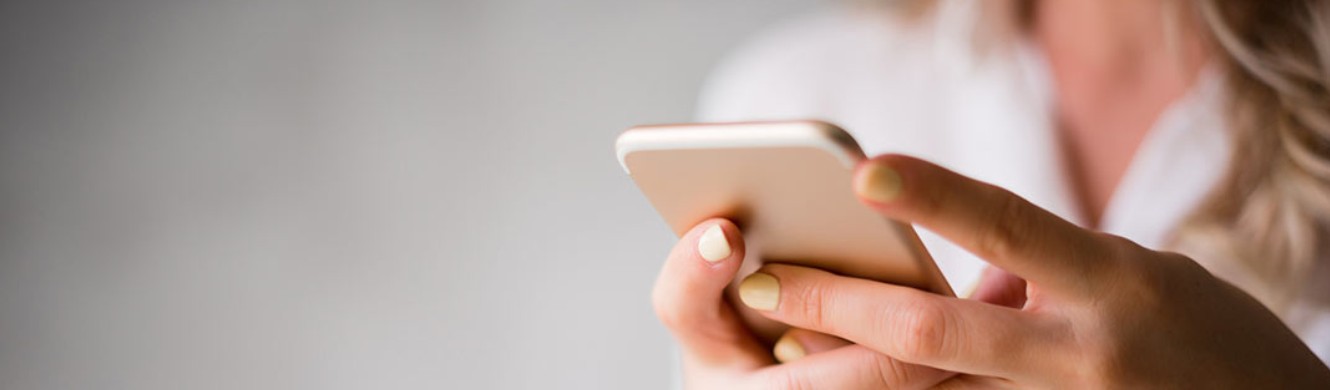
point(1002, 232)
point(1124, 266)
point(925, 331)
point(1178, 263)
point(1171, 276)
point(811, 300)
point(1146, 277)
point(1114, 256)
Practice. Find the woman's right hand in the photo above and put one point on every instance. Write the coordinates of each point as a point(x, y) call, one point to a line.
point(720, 352)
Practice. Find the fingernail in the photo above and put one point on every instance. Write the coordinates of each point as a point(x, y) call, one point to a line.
point(760, 291)
point(878, 183)
point(712, 245)
point(788, 349)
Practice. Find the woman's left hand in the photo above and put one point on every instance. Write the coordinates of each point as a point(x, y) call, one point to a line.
point(1099, 311)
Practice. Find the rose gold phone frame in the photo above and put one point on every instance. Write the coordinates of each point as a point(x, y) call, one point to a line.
point(787, 185)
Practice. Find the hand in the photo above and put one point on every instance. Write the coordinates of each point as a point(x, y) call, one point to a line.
point(719, 352)
point(1099, 312)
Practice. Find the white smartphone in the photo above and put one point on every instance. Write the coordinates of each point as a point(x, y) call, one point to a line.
point(788, 187)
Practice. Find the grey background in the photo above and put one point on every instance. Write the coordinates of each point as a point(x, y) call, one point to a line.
point(289, 194)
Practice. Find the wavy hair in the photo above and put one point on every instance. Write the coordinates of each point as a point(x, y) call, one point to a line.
point(1271, 212)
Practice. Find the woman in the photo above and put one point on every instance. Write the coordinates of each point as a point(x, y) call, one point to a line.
point(1199, 127)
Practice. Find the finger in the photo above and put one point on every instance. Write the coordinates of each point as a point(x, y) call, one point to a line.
point(851, 367)
point(972, 382)
point(1000, 288)
point(990, 222)
point(910, 325)
point(797, 343)
point(688, 297)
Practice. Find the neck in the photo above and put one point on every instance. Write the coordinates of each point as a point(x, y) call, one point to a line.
point(1121, 38)
point(1116, 66)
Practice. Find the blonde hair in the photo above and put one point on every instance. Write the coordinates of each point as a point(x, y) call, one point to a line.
point(1271, 213)
point(1267, 222)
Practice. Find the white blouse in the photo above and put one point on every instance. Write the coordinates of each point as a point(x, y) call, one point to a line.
point(920, 88)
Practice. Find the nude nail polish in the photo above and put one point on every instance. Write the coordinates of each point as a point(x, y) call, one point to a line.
point(787, 349)
point(760, 291)
point(713, 246)
point(878, 183)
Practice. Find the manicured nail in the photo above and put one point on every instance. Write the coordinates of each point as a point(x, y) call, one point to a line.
point(788, 349)
point(712, 245)
point(878, 183)
point(760, 291)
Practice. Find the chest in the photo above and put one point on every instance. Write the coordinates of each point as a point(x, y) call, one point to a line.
point(1002, 123)
point(1101, 119)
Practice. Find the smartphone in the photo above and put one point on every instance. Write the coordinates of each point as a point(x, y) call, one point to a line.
point(787, 185)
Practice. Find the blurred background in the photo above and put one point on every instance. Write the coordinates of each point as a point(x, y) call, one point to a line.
point(292, 194)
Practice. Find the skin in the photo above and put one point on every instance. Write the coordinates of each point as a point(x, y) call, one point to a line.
point(1075, 309)
point(1061, 306)
point(1114, 71)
